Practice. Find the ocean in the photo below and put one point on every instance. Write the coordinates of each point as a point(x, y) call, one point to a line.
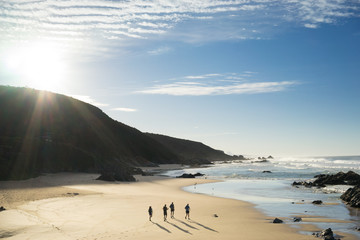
point(268, 186)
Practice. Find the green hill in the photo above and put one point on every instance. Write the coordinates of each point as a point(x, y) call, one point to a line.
point(47, 132)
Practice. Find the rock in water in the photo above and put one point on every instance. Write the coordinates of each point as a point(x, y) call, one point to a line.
point(276, 220)
point(317, 202)
point(352, 196)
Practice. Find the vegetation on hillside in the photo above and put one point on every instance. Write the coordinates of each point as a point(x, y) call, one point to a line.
point(47, 132)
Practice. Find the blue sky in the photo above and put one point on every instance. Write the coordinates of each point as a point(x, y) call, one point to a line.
point(247, 77)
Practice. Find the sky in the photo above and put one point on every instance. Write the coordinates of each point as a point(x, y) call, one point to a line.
point(250, 77)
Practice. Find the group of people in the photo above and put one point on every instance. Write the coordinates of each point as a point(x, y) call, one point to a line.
point(172, 211)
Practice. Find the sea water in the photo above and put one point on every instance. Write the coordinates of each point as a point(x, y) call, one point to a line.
point(267, 184)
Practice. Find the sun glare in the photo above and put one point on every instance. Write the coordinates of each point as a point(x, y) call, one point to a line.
point(40, 65)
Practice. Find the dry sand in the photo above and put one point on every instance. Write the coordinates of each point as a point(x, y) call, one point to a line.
point(75, 206)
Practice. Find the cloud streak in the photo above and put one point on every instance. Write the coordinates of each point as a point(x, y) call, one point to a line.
point(122, 109)
point(218, 86)
point(105, 23)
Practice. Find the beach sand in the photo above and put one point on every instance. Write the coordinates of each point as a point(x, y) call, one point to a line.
point(75, 206)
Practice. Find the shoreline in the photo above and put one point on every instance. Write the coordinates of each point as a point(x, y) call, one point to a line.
point(121, 209)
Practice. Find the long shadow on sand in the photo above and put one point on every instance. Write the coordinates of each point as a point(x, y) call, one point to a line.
point(181, 229)
point(201, 225)
point(163, 228)
point(186, 224)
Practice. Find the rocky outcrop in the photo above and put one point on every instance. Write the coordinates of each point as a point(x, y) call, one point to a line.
point(114, 172)
point(340, 178)
point(326, 234)
point(190, 175)
point(352, 196)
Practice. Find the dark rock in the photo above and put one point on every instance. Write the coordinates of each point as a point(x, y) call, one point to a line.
point(357, 228)
point(215, 215)
point(326, 234)
point(2, 209)
point(276, 220)
point(186, 175)
point(317, 202)
point(267, 172)
point(270, 157)
point(190, 175)
point(340, 178)
point(116, 172)
point(352, 196)
point(199, 174)
point(297, 219)
point(137, 171)
point(303, 183)
point(147, 174)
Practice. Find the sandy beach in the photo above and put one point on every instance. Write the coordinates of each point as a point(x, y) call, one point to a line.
point(75, 206)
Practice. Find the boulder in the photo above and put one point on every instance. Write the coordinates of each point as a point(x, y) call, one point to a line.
point(190, 175)
point(326, 234)
point(276, 220)
point(2, 209)
point(116, 172)
point(297, 219)
point(317, 202)
point(352, 196)
point(267, 172)
point(340, 178)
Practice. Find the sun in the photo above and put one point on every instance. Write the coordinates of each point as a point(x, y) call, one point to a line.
point(39, 65)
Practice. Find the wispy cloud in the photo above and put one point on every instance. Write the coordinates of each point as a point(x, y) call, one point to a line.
point(103, 24)
point(160, 50)
point(218, 86)
point(122, 109)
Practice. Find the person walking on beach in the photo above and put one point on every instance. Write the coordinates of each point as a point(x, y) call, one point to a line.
point(172, 209)
point(187, 211)
point(150, 213)
point(165, 208)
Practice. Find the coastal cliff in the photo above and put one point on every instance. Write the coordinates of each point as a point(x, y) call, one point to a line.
point(46, 132)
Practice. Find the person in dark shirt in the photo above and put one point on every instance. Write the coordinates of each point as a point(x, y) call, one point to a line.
point(172, 209)
point(150, 213)
point(165, 208)
point(187, 211)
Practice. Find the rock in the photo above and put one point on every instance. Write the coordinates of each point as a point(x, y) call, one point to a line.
point(190, 175)
point(267, 172)
point(199, 174)
point(297, 219)
point(270, 157)
point(147, 174)
point(352, 196)
point(215, 215)
point(357, 228)
point(2, 209)
point(326, 234)
point(340, 178)
point(186, 175)
point(116, 172)
point(276, 220)
point(317, 202)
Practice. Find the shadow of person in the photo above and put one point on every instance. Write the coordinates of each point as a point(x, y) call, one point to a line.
point(186, 224)
point(181, 229)
point(201, 225)
point(161, 227)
